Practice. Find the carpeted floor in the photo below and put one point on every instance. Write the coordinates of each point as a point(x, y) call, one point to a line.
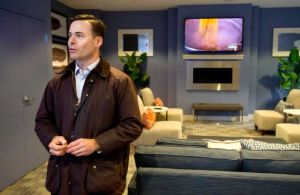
point(33, 182)
point(226, 129)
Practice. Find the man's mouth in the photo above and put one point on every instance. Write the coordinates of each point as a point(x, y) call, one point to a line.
point(71, 50)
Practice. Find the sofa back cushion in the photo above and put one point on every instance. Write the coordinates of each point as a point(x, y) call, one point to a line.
point(187, 158)
point(181, 142)
point(147, 96)
point(293, 98)
point(141, 105)
point(287, 162)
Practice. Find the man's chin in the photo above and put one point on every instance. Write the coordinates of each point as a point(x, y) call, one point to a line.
point(72, 57)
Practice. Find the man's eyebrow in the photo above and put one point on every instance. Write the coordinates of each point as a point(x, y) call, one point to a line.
point(76, 33)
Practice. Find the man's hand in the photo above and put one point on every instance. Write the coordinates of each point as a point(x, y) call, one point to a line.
point(82, 147)
point(58, 146)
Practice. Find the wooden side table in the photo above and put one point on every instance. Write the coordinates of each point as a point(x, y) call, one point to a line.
point(218, 107)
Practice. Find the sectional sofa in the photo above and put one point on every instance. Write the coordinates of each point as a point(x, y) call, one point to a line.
point(188, 167)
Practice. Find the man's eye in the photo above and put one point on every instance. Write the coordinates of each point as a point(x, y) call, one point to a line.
point(80, 36)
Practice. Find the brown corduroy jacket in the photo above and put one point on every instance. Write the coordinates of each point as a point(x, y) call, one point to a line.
point(108, 112)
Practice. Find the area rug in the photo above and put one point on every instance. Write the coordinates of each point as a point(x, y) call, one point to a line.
point(213, 128)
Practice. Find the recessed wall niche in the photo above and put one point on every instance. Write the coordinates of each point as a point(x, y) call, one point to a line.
point(213, 75)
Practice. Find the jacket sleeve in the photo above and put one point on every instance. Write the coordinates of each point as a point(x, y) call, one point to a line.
point(45, 120)
point(129, 125)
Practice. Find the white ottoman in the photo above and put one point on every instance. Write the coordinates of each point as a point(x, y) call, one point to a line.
point(289, 132)
point(266, 120)
point(169, 129)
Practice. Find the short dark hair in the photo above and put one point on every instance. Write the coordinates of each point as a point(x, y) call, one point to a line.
point(98, 27)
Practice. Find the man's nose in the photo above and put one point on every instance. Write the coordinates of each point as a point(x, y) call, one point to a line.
point(71, 39)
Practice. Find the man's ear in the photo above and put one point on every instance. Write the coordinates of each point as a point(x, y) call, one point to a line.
point(98, 41)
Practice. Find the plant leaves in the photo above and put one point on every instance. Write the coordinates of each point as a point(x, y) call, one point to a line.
point(294, 55)
point(135, 67)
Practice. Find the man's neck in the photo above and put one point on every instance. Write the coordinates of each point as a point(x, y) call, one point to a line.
point(84, 64)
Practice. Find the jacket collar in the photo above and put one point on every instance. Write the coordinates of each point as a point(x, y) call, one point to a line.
point(102, 68)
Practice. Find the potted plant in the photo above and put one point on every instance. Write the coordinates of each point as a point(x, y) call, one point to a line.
point(288, 72)
point(135, 67)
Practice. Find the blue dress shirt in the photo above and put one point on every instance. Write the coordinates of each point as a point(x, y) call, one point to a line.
point(81, 75)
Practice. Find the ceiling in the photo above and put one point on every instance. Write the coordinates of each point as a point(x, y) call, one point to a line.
point(131, 5)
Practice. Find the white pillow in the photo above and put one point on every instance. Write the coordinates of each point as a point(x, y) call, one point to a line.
point(226, 145)
point(281, 105)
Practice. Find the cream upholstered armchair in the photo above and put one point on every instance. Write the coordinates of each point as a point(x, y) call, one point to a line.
point(160, 129)
point(174, 114)
point(266, 120)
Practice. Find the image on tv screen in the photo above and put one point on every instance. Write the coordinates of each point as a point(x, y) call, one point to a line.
point(213, 35)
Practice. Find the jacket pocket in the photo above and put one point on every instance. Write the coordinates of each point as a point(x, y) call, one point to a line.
point(103, 176)
point(53, 175)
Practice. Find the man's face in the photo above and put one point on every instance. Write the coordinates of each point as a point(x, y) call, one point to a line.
point(83, 45)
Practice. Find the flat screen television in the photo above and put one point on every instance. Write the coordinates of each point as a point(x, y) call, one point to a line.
point(213, 35)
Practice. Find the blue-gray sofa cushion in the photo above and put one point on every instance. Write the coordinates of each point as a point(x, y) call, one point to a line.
point(194, 182)
point(271, 161)
point(187, 158)
point(181, 142)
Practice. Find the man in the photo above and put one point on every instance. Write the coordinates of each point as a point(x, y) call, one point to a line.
point(87, 118)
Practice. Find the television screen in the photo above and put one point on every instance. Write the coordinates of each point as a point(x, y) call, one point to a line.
point(213, 35)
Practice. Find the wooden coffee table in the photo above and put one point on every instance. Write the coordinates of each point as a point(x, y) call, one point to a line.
point(218, 107)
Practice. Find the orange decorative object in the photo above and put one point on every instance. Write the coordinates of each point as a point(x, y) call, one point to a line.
point(148, 118)
point(158, 102)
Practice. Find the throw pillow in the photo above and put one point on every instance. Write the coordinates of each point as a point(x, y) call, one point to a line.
point(251, 144)
point(281, 105)
point(158, 102)
point(226, 145)
point(148, 118)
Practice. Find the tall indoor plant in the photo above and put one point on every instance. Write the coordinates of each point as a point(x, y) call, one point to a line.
point(288, 71)
point(135, 67)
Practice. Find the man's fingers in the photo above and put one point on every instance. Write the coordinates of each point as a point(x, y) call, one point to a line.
point(73, 146)
point(56, 153)
point(59, 147)
point(78, 152)
point(60, 140)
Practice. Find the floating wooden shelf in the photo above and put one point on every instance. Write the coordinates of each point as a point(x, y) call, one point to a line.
point(213, 57)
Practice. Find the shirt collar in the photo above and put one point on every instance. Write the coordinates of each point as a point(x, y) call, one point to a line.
point(88, 69)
